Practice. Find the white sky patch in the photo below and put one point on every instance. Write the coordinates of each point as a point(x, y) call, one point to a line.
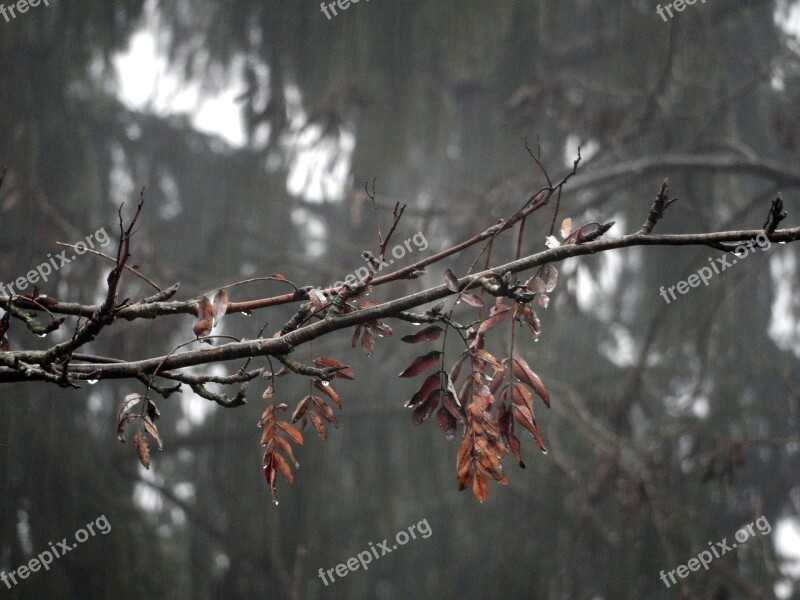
point(588, 149)
point(784, 328)
point(787, 542)
point(147, 84)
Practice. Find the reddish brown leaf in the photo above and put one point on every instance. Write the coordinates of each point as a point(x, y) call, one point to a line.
point(425, 410)
point(480, 488)
point(472, 300)
point(450, 402)
point(328, 391)
point(488, 358)
point(296, 436)
point(281, 465)
point(368, 342)
point(317, 422)
point(524, 373)
point(428, 334)
point(205, 318)
point(422, 364)
point(456, 371)
point(324, 411)
point(494, 320)
point(524, 417)
point(430, 384)
point(451, 280)
point(142, 449)
point(381, 328)
point(287, 449)
point(220, 306)
point(344, 372)
point(446, 423)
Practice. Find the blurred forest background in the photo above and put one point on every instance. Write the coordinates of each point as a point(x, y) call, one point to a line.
point(672, 425)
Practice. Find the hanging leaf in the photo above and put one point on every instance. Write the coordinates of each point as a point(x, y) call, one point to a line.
point(300, 409)
point(480, 488)
point(526, 375)
point(220, 306)
point(281, 465)
point(446, 422)
point(317, 422)
point(421, 364)
point(430, 384)
point(287, 449)
point(205, 319)
point(428, 334)
point(142, 449)
point(494, 320)
point(550, 276)
point(296, 436)
point(356, 335)
point(425, 410)
point(368, 343)
point(451, 280)
point(328, 391)
point(324, 411)
point(151, 429)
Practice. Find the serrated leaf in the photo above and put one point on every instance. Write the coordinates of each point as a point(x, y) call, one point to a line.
point(421, 364)
point(427, 334)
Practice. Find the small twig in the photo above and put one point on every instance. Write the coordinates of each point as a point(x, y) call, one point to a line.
point(112, 259)
point(657, 210)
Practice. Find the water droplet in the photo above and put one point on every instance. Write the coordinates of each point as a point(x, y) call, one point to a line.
point(247, 313)
point(416, 323)
point(92, 381)
point(326, 383)
point(42, 334)
point(276, 502)
point(544, 451)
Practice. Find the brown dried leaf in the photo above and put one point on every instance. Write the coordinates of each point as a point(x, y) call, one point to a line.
point(123, 422)
point(368, 342)
point(446, 423)
point(524, 373)
point(328, 391)
point(281, 465)
point(423, 335)
point(494, 320)
point(488, 358)
point(205, 319)
point(480, 488)
point(343, 373)
point(472, 300)
point(422, 364)
point(550, 276)
point(425, 410)
point(430, 384)
point(451, 280)
point(220, 306)
point(296, 436)
point(324, 411)
point(268, 393)
point(142, 449)
point(524, 417)
point(151, 429)
point(287, 450)
point(381, 328)
point(317, 422)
